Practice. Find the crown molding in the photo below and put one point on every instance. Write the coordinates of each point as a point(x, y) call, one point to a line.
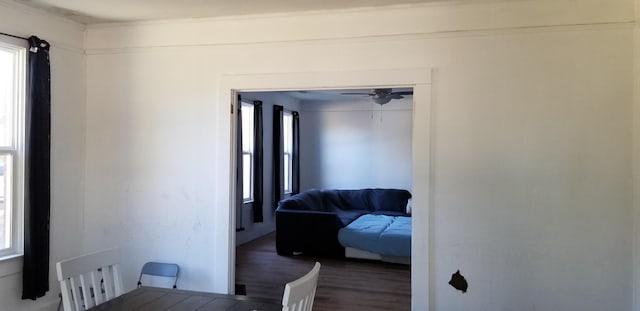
point(396, 21)
point(21, 20)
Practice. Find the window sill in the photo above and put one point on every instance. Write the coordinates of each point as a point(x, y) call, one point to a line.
point(11, 264)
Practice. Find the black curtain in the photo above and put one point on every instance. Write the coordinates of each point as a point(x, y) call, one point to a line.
point(295, 154)
point(278, 151)
point(35, 279)
point(239, 182)
point(258, 170)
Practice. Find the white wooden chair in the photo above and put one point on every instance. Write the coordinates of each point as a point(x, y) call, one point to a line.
point(299, 294)
point(90, 280)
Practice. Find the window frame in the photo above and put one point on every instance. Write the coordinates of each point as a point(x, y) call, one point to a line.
point(250, 152)
point(287, 156)
point(16, 148)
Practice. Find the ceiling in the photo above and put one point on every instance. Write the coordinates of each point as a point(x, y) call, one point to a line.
point(102, 11)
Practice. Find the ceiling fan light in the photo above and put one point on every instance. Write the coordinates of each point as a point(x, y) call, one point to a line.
point(381, 100)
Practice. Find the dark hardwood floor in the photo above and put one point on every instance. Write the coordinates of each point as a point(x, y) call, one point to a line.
point(344, 284)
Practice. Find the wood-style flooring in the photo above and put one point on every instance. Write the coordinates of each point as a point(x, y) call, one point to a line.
point(344, 284)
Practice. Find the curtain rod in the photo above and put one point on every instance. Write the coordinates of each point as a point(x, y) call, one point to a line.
point(14, 36)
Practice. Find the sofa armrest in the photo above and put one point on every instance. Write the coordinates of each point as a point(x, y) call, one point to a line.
point(308, 232)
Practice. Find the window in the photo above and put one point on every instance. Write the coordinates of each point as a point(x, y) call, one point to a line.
point(12, 106)
point(247, 151)
point(287, 131)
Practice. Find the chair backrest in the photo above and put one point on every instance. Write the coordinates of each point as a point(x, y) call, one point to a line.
point(169, 270)
point(90, 280)
point(299, 294)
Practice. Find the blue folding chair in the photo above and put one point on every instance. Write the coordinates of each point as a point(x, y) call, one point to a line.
point(169, 270)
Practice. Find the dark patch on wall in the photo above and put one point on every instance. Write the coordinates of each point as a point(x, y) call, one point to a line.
point(459, 282)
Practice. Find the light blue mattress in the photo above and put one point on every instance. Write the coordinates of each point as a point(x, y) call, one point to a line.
point(380, 234)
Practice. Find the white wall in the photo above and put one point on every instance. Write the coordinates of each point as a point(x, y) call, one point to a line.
point(255, 230)
point(531, 140)
point(67, 146)
point(356, 144)
point(537, 171)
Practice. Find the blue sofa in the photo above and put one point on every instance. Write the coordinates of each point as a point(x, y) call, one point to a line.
point(308, 223)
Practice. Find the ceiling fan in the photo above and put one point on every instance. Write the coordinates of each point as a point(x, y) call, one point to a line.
point(383, 96)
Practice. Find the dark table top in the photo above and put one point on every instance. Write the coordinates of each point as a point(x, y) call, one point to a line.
point(156, 299)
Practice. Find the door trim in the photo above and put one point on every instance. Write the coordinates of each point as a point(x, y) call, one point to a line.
point(418, 78)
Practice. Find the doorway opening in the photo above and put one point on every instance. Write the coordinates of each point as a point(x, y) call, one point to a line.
point(419, 79)
point(349, 139)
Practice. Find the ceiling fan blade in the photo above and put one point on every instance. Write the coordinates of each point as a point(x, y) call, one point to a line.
point(395, 96)
point(403, 93)
point(355, 93)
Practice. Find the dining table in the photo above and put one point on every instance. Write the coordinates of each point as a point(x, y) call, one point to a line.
point(147, 298)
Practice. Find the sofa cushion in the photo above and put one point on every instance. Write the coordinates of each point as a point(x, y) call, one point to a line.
point(310, 200)
point(388, 200)
point(380, 234)
point(346, 200)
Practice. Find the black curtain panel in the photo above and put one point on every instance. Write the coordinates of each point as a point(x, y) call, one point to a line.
point(239, 181)
point(278, 155)
point(295, 156)
point(35, 282)
point(258, 170)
